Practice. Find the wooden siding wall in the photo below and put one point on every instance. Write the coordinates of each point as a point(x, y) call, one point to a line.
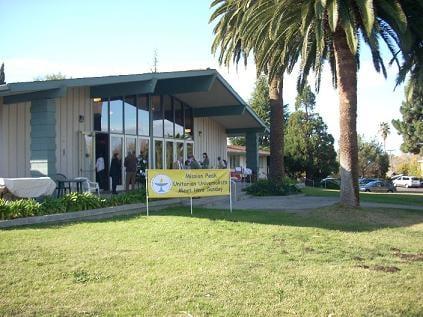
point(212, 140)
point(15, 139)
point(76, 102)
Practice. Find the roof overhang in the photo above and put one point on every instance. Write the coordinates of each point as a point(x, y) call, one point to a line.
point(206, 91)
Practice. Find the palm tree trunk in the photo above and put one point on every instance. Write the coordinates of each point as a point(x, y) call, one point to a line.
point(346, 70)
point(277, 168)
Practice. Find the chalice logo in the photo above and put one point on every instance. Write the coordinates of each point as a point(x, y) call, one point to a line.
point(161, 184)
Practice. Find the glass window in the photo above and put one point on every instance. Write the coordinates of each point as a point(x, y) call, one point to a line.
point(180, 150)
point(189, 123)
point(143, 115)
point(158, 154)
point(116, 115)
point(179, 119)
point(190, 149)
point(143, 155)
point(100, 117)
point(157, 107)
point(169, 154)
point(130, 115)
point(130, 145)
point(168, 122)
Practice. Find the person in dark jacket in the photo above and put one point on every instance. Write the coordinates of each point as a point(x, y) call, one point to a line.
point(131, 170)
point(193, 164)
point(205, 163)
point(115, 171)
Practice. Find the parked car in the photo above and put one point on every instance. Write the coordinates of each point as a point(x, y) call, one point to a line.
point(378, 186)
point(363, 181)
point(330, 183)
point(407, 181)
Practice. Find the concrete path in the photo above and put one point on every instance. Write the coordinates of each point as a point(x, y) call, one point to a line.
point(295, 203)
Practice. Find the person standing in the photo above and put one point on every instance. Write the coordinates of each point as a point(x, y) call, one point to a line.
point(205, 163)
point(178, 164)
point(115, 171)
point(193, 164)
point(101, 172)
point(221, 164)
point(131, 170)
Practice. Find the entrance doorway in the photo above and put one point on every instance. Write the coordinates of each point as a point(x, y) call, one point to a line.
point(116, 146)
point(102, 151)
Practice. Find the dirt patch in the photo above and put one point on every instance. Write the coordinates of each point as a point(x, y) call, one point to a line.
point(382, 268)
point(395, 249)
point(410, 256)
point(308, 249)
point(388, 269)
point(358, 258)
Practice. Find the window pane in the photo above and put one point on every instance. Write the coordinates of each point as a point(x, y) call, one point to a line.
point(179, 119)
point(101, 120)
point(158, 153)
point(190, 149)
point(116, 116)
point(169, 155)
point(180, 151)
point(143, 155)
point(168, 122)
point(189, 123)
point(157, 116)
point(143, 116)
point(130, 115)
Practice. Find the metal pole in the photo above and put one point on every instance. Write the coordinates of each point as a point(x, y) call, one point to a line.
point(230, 193)
point(191, 205)
point(146, 188)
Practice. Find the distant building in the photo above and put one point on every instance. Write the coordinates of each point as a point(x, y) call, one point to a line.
point(237, 156)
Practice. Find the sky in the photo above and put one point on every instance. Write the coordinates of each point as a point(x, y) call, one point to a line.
point(83, 38)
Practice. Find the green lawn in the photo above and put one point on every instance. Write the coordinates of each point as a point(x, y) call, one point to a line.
point(386, 198)
point(330, 261)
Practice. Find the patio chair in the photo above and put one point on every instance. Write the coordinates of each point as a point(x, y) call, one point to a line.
point(60, 186)
point(89, 186)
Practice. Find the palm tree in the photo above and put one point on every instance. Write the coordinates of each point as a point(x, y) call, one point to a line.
point(331, 31)
point(384, 130)
point(239, 32)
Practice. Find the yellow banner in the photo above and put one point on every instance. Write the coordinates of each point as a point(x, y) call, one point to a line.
point(187, 183)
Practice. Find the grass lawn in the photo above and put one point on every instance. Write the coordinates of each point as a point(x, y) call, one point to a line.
point(386, 198)
point(330, 261)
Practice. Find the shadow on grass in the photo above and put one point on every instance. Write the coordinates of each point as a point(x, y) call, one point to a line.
point(330, 218)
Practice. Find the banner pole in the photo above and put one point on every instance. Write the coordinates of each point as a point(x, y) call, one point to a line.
point(146, 188)
point(230, 193)
point(191, 205)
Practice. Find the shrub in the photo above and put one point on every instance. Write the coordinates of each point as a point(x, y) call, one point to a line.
point(270, 188)
point(68, 203)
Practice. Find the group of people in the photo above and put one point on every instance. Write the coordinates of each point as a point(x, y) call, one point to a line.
point(131, 164)
point(192, 163)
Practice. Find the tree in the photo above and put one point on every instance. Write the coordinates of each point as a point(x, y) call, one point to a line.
point(331, 32)
point(52, 76)
point(384, 131)
point(2, 75)
point(261, 105)
point(411, 125)
point(309, 147)
point(372, 160)
point(236, 35)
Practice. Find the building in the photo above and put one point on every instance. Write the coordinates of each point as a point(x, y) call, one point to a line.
point(63, 126)
point(237, 156)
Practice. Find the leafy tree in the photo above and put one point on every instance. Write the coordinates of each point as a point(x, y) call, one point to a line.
point(372, 160)
point(2, 75)
point(411, 125)
point(260, 103)
point(239, 31)
point(309, 147)
point(53, 76)
point(384, 131)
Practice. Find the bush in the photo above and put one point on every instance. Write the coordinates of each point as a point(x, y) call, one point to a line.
point(68, 203)
point(270, 188)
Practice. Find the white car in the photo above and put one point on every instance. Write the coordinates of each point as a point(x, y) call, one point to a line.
point(407, 181)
